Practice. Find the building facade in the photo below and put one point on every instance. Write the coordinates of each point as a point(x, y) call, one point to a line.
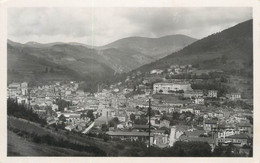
point(168, 88)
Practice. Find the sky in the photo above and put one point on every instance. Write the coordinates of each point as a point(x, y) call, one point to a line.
point(100, 26)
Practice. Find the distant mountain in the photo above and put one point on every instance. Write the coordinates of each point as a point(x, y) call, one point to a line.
point(130, 53)
point(80, 44)
point(76, 60)
point(40, 45)
point(16, 44)
point(229, 49)
point(61, 61)
point(153, 47)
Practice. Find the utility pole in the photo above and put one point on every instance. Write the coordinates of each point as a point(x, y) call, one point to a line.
point(29, 98)
point(149, 123)
point(60, 103)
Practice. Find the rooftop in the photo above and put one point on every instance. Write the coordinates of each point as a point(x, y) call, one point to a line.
point(126, 133)
point(197, 139)
point(238, 136)
point(177, 83)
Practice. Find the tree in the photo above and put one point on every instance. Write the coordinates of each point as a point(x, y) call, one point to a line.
point(132, 117)
point(104, 127)
point(195, 149)
point(50, 112)
point(114, 122)
point(21, 111)
point(142, 120)
point(62, 118)
point(91, 115)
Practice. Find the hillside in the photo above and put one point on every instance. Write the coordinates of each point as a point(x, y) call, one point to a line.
point(76, 61)
point(153, 47)
point(57, 62)
point(226, 50)
point(18, 146)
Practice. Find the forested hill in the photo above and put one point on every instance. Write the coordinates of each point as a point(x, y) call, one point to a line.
point(229, 49)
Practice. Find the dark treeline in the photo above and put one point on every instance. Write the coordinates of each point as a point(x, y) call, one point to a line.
point(21, 111)
point(184, 149)
point(198, 149)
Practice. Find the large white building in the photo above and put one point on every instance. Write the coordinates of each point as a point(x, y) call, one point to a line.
point(168, 88)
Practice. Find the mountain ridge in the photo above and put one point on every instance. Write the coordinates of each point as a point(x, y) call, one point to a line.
point(119, 59)
point(234, 44)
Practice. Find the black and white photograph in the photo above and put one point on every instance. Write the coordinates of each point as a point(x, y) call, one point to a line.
point(130, 81)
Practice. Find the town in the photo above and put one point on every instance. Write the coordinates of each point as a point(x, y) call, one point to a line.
point(186, 104)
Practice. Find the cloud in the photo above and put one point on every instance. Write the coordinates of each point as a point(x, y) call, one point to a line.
point(99, 26)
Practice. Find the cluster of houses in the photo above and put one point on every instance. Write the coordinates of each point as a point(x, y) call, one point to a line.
point(174, 69)
point(219, 125)
point(188, 92)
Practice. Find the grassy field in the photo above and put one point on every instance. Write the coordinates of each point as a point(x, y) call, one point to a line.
point(110, 147)
point(18, 146)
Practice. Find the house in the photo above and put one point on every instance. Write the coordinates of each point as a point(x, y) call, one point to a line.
point(197, 111)
point(193, 93)
point(237, 140)
point(15, 85)
point(67, 92)
point(120, 126)
point(180, 129)
point(171, 110)
point(174, 66)
point(227, 132)
point(160, 139)
point(245, 128)
point(129, 124)
point(14, 89)
point(169, 69)
point(164, 123)
point(199, 101)
point(55, 107)
point(218, 114)
point(122, 117)
point(155, 121)
point(51, 120)
point(177, 70)
point(156, 71)
point(212, 93)
point(182, 110)
point(210, 125)
point(234, 96)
